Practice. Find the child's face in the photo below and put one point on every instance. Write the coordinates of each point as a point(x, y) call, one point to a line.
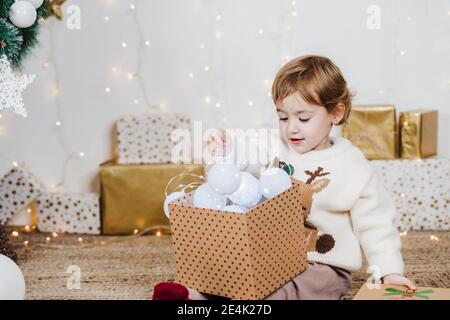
point(303, 126)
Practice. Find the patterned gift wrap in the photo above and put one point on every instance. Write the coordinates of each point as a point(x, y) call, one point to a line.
point(18, 188)
point(69, 213)
point(420, 189)
point(145, 139)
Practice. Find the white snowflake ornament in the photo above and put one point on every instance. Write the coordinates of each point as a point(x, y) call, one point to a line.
point(11, 87)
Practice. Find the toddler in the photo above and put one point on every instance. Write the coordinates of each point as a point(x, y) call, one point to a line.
point(311, 95)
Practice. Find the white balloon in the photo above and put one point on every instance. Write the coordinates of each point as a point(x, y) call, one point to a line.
point(248, 194)
point(12, 283)
point(206, 197)
point(224, 178)
point(273, 182)
point(36, 3)
point(22, 14)
point(235, 208)
point(171, 197)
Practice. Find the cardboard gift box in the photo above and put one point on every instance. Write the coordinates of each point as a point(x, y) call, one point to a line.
point(18, 188)
point(147, 138)
point(373, 129)
point(132, 196)
point(391, 292)
point(235, 255)
point(69, 213)
point(418, 133)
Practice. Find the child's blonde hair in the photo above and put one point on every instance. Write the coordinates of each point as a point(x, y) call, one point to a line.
point(317, 79)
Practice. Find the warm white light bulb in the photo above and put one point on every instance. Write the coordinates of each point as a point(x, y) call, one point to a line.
point(260, 31)
point(147, 43)
point(207, 99)
point(130, 76)
point(106, 18)
point(15, 164)
point(218, 34)
point(207, 68)
point(114, 69)
point(219, 17)
point(402, 52)
point(108, 90)
point(217, 105)
point(81, 154)
point(124, 44)
point(132, 6)
point(294, 13)
point(190, 75)
point(58, 123)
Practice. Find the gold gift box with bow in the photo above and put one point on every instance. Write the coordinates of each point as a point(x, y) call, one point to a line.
point(132, 196)
point(418, 133)
point(373, 129)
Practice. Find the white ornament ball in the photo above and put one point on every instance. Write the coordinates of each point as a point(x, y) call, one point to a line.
point(36, 3)
point(273, 182)
point(206, 197)
point(248, 194)
point(235, 208)
point(224, 178)
point(22, 14)
point(12, 283)
point(171, 197)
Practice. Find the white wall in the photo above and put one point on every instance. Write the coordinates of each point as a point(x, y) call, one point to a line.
point(240, 63)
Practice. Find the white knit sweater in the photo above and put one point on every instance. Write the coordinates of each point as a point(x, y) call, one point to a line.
point(354, 208)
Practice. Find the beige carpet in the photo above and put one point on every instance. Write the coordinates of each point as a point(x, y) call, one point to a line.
point(127, 268)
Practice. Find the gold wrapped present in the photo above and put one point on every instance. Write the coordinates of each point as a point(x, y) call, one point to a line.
point(132, 196)
point(373, 129)
point(418, 133)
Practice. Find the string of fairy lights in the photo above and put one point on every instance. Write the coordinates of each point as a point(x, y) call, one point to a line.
point(289, 12)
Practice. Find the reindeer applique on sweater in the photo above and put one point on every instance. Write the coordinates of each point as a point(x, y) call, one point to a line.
point(324, 242)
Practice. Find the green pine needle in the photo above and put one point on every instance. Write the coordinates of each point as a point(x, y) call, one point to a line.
point(20, 41)
point(10, 41)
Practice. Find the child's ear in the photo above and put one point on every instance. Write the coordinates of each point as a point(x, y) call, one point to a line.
point(337, 113)
point(319, 185)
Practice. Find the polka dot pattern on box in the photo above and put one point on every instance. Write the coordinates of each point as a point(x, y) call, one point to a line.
point(18, 188)
point(147, 138)
point(67, 212)
point(246, 256)
point(420, 190)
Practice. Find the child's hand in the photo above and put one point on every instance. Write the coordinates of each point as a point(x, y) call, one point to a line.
point(398, 279)
point(216, 143)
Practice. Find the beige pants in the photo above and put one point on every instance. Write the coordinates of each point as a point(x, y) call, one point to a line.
point(317, 282)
